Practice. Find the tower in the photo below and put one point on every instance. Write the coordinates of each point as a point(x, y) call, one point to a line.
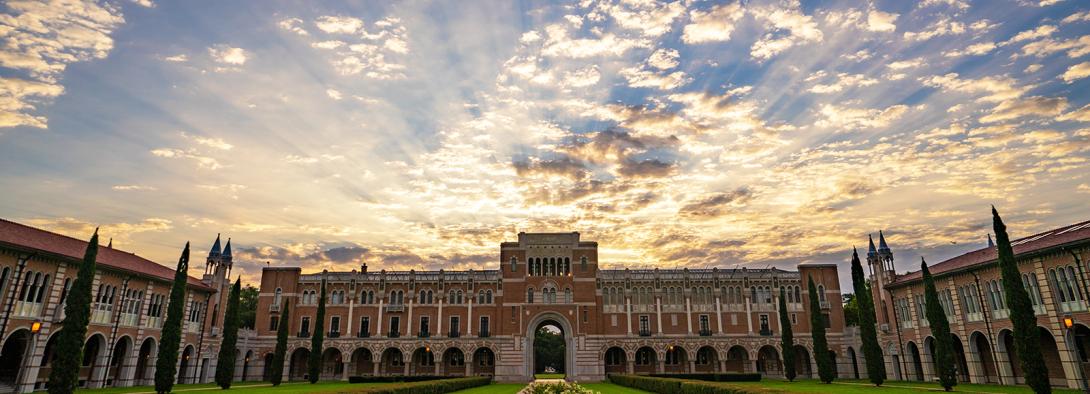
point(217, 275)
point(880, 260)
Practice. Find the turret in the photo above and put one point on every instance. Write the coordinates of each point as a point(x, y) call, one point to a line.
point(990, 243)
point(215, 252)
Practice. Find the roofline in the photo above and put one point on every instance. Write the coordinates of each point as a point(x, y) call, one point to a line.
point(989, 263)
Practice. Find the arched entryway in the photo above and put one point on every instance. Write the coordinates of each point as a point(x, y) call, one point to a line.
point(185, 371)
point(646, 360)
point(93, 351)
point(549, 349)
point(961, 363)
point(297, 366)
point(677, 360)
point(484, 362)
point(11, 356)
point(362, 362)
point(454, 362)
point(768, 361)
point(894, 367)
point(267, 371)
point(423, 362)
point(145, 363)
point(119, 360)
point(1005, 349)
point(707, 359)
point(855, 363)
point(1051, 355)
point(916, 371)
point(737, 360)
point(982, 348)
point(332, 364)
point(615, 361)
point(393, 362)
point(246, 364)
point(802, 362)
point(50, 354)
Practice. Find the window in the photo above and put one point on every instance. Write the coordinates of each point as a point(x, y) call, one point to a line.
point(645, 324)
point(585, 314)
point(395, 325)
point(514, 264)
point(365, 325)
point(455, 325)
point(644, 356)
point(705, 326)
point(794, 319)
point(567, 295)
point(673, 355)
point(765, 329)
point(276, 296)
point(274, 323)
point(488, 296)
point(425, 329)
point(583, 263)
point(480, 296)
point(304, 327)
point(530, 295)
point(483, 329)
point(335, 324)
point(821, 294)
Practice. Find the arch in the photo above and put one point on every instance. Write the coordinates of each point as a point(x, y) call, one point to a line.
point(854, 361)
point(267, 370)
point(363, 361)
point(423, 361)
point(12, 354)
point(332, 364)
point(558, 320)
point(94, 350)
point(802, 362)
point(707, 359)
point(186, 369)
point(1051, 355)
point(1010, 363)
point(676, 360)
point(981, 347)
point(393, 362)
point(454, 362)
point(297, 367)
point(145, 363)
point(646, 360)
point(917, 362)
point(119, 360)
point(615, 360)
point(246, 364)
point(484, 362)
point(960, 362)
point(768, 361)
point(737, 359)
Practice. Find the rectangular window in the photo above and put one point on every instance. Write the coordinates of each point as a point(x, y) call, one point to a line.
point(673, 320)
point(483, 329)
point(613, 320)
point(645, 325)
point(424, 328)
point(304, 328)
point(395, 325)
point(455, 326)
point(335, 324)
point(274, 323)
point(585, 313)
point(365, 326)
point(705, 325)
point(765, 329)
point(794, 319)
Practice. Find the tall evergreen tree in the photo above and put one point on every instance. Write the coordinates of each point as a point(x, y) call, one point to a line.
point(225, 365)
point(171, 334)
point(940, 330)
point(787, 339)
point(314, 363)
point(64, 377)
point(872, 352)
point(826, 369)
point(281, 347)
point(1026, 337)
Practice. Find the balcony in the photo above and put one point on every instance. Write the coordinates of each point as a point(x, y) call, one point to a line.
point(28, 309)
point(1000, 313)
point(274, 308)
point(394, 308)
point(363, 334)
point(393, 334)
point(154, 322)
point(1072, 306)
point(334, 334)
point(484, 334)
point(304, 334)
point(454, 334)
point(705, 332)
point(645, 333)
point(130, 319)
point(423, 334)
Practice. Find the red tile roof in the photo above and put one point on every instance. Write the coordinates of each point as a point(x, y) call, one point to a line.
point(1049, 239)
point(35, 239)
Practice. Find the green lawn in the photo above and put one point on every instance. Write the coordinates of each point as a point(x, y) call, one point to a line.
point(610, 388)
point(242, 387)
point(863, 386)
point(494, 388)
point(549, 376)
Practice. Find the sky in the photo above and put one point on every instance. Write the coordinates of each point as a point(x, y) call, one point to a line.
point(420, 135)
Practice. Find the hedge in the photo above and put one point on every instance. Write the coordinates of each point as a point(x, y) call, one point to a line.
point(672, 385)
point(426, 387)
point(714, 377)
point(395, 378)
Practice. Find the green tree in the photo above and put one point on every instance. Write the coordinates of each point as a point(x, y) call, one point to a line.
point(314, 363)
point(940, 330)
point(281, 347)
point(548, 350)
point(1023, 320)
point(225, 364)
point(171, 337)
point(247, 310)
point(826, 369)
point(851, 310)
point(787, 339)
point(64, 377)
point(876, 367)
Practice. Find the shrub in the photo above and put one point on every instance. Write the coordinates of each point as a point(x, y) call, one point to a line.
point(663, 385)
point(427, 387)
point(393, 379)
point(715, 377)
point(559, 388)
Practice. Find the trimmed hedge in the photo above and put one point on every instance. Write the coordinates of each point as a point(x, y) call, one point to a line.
point(714, 377)
point(427, 387)
point(672, 385)
point(395, 378)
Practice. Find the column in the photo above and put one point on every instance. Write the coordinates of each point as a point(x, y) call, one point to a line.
point(689, 314)
point(469, 319)
point(692, 366)
point(378, 327)
point(658, 313)
point(347, 365)
point(439, 320)
point(628, 312)
point(718, 314)
point(348, 329)
point(749, 312)
point(409, 324)
point(660, 362)
point(375, 364)
point(630, 365)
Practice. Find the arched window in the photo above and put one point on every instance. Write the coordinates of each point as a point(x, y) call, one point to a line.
point(567, 295)
point(276, 296)
point(488, 296)
point(1056, 285)
point(514, 264)
point(821, 294)
point(458, 296)
point(530, 295)
point(480, 296)
point(583, 262)
point(430, 294)
point(1073, 287)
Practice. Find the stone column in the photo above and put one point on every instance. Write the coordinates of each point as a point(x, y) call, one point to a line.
point(628, 313)
point(630, 366)
point(689, 314)
point(718, 314)
point(692, 366)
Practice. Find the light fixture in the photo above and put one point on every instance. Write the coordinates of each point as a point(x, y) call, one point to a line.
point(36, 326)
point(1069, 321)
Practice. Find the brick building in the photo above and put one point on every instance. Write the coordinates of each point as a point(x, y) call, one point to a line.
point(1053, 267)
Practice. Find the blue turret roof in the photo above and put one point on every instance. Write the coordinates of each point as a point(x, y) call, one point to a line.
point(882, 247)
point(215, 248)
point(872, 251)
point(227, 249)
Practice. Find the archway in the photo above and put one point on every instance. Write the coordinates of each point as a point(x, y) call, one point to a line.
point(185, 370)
point(615, 361)
point(267, 371)
point(1013, 365)
point(894, 368)
point(362, 361)
point(737, 360)
point(917, 362)
point(959, 359)
point(979, 344)
point(393, 362)
point(484, 362)
point(1081, 339)
point(707, 360)
point(93, 350)
point(11, 356)
point(297, 367)
point(145, 375)
point(48, 356)
point(423, 362)
point(332, 364)
point(646, 360)
point(802, 362)
point(768, 361)
point(1051, 355)
point(549, 349)
point(855, 363)
point(246, 364)
point(119, 361)
point(454, 362)
point(677, 360)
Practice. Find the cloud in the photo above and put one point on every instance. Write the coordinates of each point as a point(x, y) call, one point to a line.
point(294, 25)
point(638, 78)
point(355, 51)
point(134, 188)
point(1075, 47)
point(334, 94)
point(211, 142)
point(651, 19)
point(338, 24)
point(843, 80)
point(998, 88)
point(18, 98)
point(1033, 34)
point(717, 204)
point(713, 25)
point(1079, 115)
point(905, 64)
point(799, 28)
point(228, 55)
point(1076, 72)
point(179, 58)
point(204, 162)
point(941, 27)
point(120, 232)
point(144, 3)
point(881, 21)
point(560, 44)
point(980, 48)
point(664, 58)
point(1030, 106)
point(838, 117)
point(1083, 16)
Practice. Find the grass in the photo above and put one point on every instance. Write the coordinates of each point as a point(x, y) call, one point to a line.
point(494, 388)
point(242, 387)
point(863, 386)
point(610, 388)
point(549, 376)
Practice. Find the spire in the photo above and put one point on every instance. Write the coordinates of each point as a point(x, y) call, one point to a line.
point(227, 249)
point(215, 247)
point(111, 244)
point(872, 252)
point(990, 243)
point(882, 247)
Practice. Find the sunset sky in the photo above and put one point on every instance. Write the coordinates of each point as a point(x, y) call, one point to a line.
point(422, 134)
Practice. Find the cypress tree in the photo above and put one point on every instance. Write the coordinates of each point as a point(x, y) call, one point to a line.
point(872, 352)
point(171, 335)
point(1026, 337)
point(940, 330)
point(225, 367)
point(314, 363)
point(787, 339)
point(281, 347)
point(69, 348)
point(826, 370)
